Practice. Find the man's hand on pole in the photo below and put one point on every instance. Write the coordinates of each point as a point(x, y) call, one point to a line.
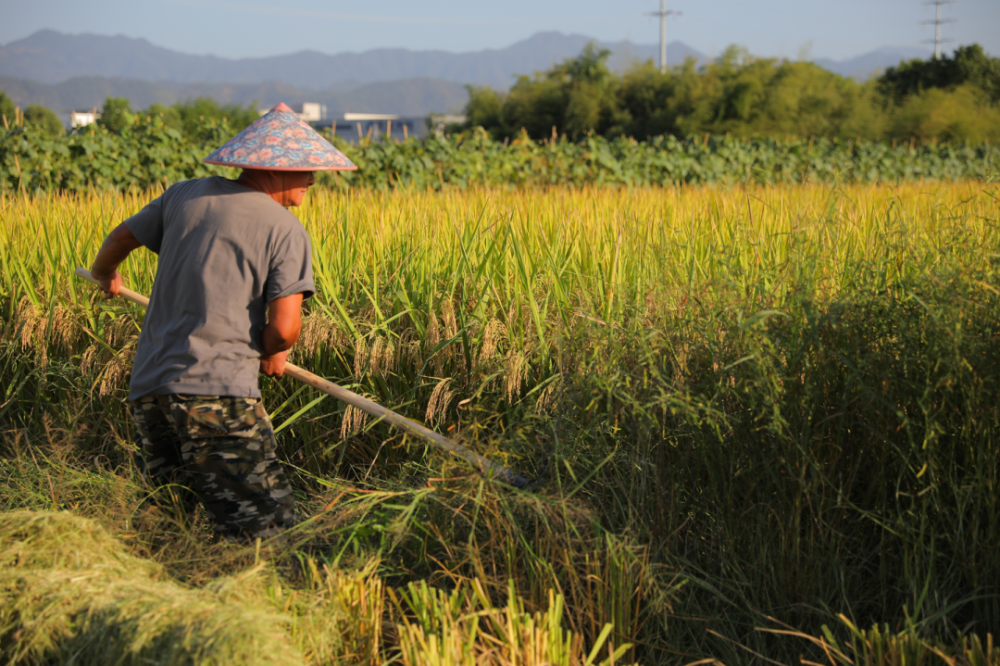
point(110, 286)
point(273, 365)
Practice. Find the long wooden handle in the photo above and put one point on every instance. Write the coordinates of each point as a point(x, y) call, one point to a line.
point(127, 294)
point(486, 467)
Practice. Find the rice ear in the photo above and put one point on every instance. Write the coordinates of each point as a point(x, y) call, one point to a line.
point(437, 406)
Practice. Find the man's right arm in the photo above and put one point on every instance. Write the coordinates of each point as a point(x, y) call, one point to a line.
point(113, 252)
point(284, 323)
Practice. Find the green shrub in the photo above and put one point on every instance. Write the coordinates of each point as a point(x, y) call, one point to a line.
point(7, 108)
point(44, 120)
point(968, 66)
point(956, 115)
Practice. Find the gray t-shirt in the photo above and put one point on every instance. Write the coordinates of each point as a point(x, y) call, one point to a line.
point(226, 251)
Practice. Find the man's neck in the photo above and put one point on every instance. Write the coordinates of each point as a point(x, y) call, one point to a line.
point(264, 182)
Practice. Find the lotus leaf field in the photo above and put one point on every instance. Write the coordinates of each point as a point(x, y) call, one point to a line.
point(766, 417)
point(148, 154)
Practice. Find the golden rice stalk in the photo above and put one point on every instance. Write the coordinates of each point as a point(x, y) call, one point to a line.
point(110, 368)
point(515, 372)
point(410, 348)
point(354, 420)
point(313, 335)
point(25, 317)
point(450, 321)
point(360, 357)
point(437, 406)
point(30, 320)
point(116, 371)
point(432, 337)
point(547, 398)
point(493, 333)
point(93, 358)
point(433, 334)
point(449, 330)
point(319, 334)
point(121, 331)
point(64, 331)
point(382, 356)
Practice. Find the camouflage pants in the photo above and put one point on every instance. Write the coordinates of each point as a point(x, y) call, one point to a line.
point(222, 448)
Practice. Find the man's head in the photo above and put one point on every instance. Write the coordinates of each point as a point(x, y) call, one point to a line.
point(286, 187)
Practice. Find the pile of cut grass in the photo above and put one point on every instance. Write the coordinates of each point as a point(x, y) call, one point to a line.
point(71, 593)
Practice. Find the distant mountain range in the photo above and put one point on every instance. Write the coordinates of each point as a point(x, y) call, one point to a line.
point(863, 66)
point(79, 71)
point(410, 97)
point(52, 57)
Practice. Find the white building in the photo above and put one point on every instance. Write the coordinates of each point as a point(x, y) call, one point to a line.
point(83, 118)
point(311, 112)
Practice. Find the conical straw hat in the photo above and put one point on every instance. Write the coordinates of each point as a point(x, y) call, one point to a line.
point(280, 141)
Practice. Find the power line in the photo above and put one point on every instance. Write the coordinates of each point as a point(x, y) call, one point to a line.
point(663, 14)
point(937, 22)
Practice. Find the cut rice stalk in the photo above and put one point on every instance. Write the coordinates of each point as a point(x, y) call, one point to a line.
point(70, 592)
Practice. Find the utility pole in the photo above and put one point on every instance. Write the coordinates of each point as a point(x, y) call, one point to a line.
point(937, 24)
point(663, 14)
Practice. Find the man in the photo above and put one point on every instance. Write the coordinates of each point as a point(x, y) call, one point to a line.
point(234, 268)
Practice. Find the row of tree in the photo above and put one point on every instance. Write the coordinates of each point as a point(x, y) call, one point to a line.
point(192, 118)
point(949, 98)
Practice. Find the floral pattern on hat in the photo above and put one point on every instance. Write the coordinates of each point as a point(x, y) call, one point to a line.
point(281, 141)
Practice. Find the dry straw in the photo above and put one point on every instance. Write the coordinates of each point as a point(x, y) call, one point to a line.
point(72, 593)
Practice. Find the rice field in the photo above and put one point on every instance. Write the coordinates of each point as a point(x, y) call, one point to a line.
point(766, 418)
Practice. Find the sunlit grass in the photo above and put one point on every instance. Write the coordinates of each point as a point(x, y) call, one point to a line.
point(749, 401)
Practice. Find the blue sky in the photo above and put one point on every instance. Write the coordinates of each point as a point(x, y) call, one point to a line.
point(249, 28)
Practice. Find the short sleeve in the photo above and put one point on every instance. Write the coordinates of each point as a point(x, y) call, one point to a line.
point(147, 224)
point(291, 268)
